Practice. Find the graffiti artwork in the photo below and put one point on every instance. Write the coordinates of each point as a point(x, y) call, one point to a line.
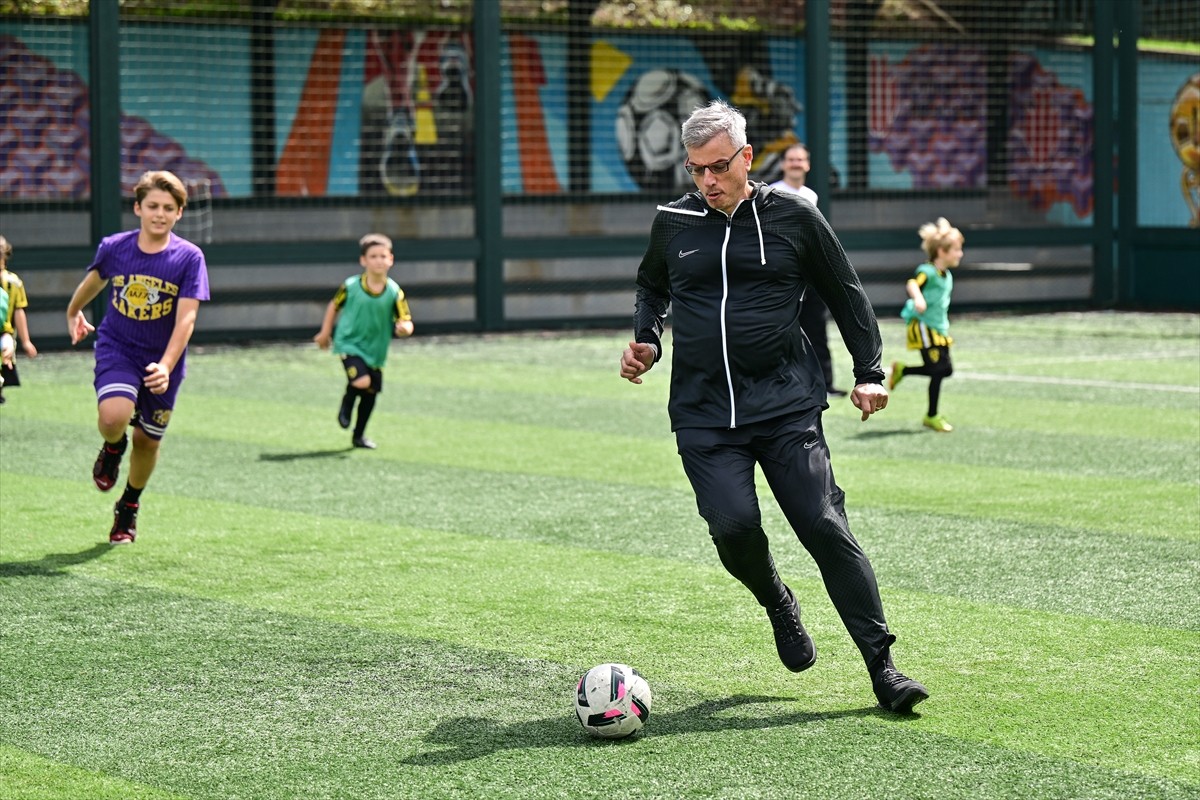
point(928, 114)
point(1185, 138)
point(417, 107)
point(45, 151)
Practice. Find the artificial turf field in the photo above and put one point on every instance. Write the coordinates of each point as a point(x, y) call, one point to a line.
point(298, 619)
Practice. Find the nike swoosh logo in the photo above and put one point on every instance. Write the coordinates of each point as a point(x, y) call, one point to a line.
point(686, 253)
point(809, 445)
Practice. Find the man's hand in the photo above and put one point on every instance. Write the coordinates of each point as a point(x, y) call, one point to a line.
point(637, 359)
point(869, 398)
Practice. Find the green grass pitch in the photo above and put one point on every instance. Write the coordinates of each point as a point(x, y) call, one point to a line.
point(299, 619)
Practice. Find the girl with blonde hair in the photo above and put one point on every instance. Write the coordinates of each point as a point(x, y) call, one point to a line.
point(927, 314)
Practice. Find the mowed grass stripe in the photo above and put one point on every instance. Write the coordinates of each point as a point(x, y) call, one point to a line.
point(1113, 505)
point(1059, 568)
point(1118, 504)
point(526, 599)
point(213, 700)
point(1140, 580)
point(1102, 417)
point(27, 776)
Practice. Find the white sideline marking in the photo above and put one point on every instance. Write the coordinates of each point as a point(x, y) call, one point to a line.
point(1156, 355)
point(1143, 387)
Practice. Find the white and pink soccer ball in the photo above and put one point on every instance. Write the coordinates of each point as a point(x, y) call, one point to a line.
point(612, 701)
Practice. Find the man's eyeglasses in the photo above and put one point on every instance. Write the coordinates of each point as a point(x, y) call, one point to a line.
point(716, 168)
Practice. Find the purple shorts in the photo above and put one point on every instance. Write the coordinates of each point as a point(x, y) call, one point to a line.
point(121, 375)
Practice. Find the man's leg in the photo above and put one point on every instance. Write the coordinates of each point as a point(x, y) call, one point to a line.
point(721, 471)
point(795, 462)
point(722, 476)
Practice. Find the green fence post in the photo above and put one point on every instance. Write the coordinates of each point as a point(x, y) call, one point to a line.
point(1104, 279)
point(104, 97)
point(816, 98)
point(1128, 25)
point(489, 211)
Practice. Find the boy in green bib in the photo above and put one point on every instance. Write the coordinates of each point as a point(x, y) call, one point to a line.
point(368, 309)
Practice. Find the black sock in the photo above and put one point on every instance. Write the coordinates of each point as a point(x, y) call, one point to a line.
point(935, 391)
point(131, 495)
point(118, 447)
point(365, 407)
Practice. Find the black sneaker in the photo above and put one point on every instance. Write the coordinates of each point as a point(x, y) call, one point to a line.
point(108, 464)
point(796, 648)
point(344, 411)
point(363, 442)
point(124, 529)
point(896, 691)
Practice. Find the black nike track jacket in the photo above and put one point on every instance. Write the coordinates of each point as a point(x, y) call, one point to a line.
point(734, 285)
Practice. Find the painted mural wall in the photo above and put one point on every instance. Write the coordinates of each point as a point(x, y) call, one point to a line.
point(390, 113)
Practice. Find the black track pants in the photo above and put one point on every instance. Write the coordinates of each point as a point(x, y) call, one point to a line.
point(792, 454)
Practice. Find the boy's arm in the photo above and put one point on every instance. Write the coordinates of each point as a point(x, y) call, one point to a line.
point(402, 317)
point(77, 325)
point(158, 376)
point(324, 336)
point(918, 298)
point(21, 323)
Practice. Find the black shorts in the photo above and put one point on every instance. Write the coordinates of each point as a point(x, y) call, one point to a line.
point(355, 368)
point(9, 375)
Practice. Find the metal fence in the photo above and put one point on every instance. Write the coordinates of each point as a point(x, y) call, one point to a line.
point(516, 150)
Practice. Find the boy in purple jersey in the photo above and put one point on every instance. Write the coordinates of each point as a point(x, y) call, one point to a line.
point(157, 282)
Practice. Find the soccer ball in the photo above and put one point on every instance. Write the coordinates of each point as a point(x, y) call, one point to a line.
point(612, 701)
point(648, 122)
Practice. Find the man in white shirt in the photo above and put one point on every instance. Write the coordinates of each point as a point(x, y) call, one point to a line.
point(795, 171)
point(812, 310)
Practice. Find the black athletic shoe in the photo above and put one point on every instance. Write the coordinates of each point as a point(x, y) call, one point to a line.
point(344, 411)
point(108, 464)
point(124, 529)
point(363, 442)
point(896, 691)
point(796, 648)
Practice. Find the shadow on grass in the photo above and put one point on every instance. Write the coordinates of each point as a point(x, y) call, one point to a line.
point(470, 737)
point(52, 565)
point(879, 433)
point(339, 453)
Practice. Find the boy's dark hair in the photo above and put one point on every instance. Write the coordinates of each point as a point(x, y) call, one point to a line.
point(161, 179)
point(5, 249)
point(373, 240)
